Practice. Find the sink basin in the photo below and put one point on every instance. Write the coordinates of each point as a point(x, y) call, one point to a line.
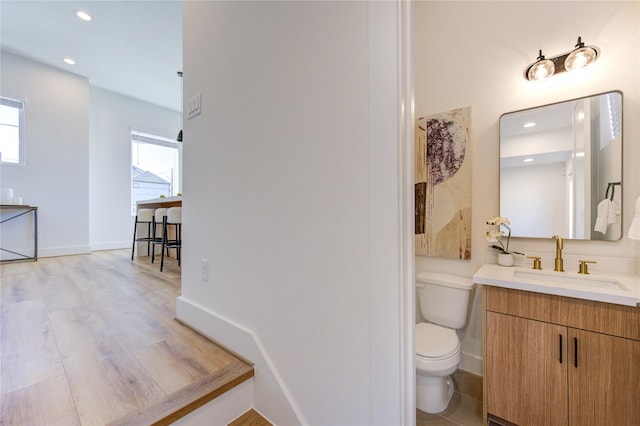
point(570, 279)
point(621, 289)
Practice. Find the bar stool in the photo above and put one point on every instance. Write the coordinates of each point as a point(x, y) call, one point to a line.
point(173, 218)
point(158, 220)
point(144, 216)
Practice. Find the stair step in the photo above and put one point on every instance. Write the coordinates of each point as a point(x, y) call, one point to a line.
point(250, 418)
point(184, 401)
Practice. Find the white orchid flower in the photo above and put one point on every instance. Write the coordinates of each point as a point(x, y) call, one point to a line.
point(493, 236)
point(498, 220)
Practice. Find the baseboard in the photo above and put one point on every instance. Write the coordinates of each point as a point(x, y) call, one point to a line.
point(471, 363)
point(113, 245)
point(223, 409)
point(270, 395)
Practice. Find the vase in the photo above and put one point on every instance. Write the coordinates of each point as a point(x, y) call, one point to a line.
point(505, 259)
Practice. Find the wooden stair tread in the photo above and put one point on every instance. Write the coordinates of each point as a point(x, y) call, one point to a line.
point(186, 400)
point(250, 418)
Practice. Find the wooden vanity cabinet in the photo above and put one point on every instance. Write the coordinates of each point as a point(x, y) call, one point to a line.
point(552, 360)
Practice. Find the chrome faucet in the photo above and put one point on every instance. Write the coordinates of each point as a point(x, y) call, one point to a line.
point(559, 246)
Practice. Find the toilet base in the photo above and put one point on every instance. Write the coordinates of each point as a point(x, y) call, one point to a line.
point(433, 393)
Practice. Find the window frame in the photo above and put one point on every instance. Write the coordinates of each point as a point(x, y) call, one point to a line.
point(19, 105)
point(138, 136)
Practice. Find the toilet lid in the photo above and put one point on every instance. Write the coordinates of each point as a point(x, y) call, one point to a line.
point(434, 341)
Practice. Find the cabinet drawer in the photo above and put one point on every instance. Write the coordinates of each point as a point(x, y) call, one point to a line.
point(607, 318)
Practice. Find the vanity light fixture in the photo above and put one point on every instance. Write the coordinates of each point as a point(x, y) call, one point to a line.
point(580, 57)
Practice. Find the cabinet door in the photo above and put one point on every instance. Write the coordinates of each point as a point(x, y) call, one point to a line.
point(526, 368)
point(604, 386)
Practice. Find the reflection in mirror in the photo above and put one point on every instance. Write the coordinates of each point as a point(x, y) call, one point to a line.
point(561, 169)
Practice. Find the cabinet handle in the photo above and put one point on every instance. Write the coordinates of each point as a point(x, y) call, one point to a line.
point(575, 352)
point(560, 336)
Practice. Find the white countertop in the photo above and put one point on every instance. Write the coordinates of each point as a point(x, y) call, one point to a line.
point(576, 285)
point(159, 200)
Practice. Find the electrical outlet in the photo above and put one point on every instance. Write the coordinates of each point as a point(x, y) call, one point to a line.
point(204, 270)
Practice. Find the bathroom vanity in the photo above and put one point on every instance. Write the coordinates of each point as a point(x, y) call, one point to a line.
point(559, 359)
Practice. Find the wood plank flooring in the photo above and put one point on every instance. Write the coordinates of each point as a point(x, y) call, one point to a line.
point(92, 340)
point(251, 418)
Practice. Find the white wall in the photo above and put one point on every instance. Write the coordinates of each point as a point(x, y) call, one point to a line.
point(113, 116)
point(56, 174)
point(474, 53)
point(549, 197)
point(293, 198)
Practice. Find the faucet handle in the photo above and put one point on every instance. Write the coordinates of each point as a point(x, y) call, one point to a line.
point(537, 263)
point(584, 268)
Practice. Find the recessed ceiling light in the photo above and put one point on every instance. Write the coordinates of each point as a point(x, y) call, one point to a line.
point(69, 61)
point(529, 124)
point(528, 160)
point(83, 15)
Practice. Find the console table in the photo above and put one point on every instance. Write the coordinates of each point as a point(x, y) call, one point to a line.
point(9, 213)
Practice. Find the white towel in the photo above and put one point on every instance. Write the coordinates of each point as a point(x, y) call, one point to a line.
point(613, 213)
point(602, 220)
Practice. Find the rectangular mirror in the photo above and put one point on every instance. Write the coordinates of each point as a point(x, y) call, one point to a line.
point(561, 169)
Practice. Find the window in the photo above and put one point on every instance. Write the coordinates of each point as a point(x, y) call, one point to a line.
point(155, 167)
point(11, 131)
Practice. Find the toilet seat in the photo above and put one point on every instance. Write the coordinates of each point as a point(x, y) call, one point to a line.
point(436, 342)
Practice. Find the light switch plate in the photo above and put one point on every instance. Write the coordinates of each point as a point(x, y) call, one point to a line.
point(193, 107)
point(204, 270)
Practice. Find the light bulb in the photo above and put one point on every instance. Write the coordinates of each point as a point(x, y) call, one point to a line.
point(580, 58)
point(541, 70)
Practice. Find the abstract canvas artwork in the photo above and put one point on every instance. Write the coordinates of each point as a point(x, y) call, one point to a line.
point(443, 184)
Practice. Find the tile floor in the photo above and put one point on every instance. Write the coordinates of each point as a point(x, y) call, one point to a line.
point(465, 408)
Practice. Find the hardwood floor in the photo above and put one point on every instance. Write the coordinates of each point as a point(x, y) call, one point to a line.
point(250, 418)
point(93, 340)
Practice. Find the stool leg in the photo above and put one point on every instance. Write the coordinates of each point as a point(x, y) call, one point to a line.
point(135, 226)
point(164, 241)
point(148, 236)
point(179, 241)
point(153, 245)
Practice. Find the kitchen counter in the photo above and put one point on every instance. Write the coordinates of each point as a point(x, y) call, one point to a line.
point(160, 202)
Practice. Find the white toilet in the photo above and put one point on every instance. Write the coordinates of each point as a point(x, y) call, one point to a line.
point(444, 302)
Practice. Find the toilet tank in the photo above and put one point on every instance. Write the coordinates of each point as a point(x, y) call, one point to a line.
point(444, 299)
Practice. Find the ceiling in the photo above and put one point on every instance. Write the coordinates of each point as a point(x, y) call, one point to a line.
point(130, 47)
